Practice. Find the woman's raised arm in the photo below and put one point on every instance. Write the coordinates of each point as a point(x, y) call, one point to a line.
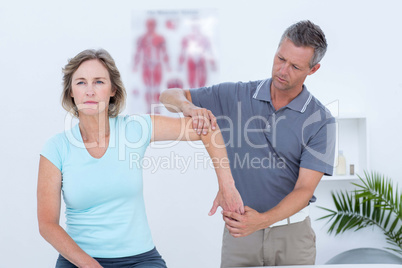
point(169, 128)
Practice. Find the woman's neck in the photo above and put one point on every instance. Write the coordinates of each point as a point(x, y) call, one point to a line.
point(95, 129)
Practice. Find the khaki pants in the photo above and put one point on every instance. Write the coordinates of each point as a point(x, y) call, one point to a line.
point(291, 244)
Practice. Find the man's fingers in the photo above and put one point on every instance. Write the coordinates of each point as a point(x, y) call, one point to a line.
point(235, 232)
point(202, 120)
point(200, 123)
point(195, 122)
point(232, 215)
point(207, 123)
point(212, 118)
point(231, 222)
point(246, 208)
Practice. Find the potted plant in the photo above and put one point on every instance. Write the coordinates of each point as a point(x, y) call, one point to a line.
point(375, 202)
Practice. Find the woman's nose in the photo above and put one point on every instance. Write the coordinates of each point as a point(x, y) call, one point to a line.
point(90, 91)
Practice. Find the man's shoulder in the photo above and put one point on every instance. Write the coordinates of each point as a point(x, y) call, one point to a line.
point(232, 85)
point(316, 105)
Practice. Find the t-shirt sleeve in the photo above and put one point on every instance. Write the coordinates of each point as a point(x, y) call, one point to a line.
point(220, 98)
point(319, 152)
point(138, 130)
point(53, 151)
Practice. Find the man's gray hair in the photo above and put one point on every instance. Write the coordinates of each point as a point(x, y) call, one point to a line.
point(307, 34)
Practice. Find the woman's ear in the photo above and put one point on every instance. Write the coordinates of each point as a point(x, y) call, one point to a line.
point(114, 90)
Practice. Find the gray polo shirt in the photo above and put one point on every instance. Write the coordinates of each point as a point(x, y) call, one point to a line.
point(266, 148)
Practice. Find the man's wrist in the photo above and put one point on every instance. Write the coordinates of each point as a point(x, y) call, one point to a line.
point(185, 106)
point(266, 220)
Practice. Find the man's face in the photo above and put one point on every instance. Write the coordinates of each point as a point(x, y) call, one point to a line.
point(291, 66)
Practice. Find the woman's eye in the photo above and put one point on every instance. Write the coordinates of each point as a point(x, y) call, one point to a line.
point(99, 82)
point(80, 83)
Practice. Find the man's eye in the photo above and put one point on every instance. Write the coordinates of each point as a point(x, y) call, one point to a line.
point(295, 67)
point(282, 59)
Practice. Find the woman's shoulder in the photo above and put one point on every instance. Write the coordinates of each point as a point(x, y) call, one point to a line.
point(56, 148)
point(133, 117)
point(58, 138)
point(133, 123)
point(63, 138)
point(130, 119)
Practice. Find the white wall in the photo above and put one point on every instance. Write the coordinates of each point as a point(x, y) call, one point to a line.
point(362, 70)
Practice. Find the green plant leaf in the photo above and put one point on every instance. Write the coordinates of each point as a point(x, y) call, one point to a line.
point(375, 202)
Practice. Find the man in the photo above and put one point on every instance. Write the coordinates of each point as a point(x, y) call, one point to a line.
point(280, 141)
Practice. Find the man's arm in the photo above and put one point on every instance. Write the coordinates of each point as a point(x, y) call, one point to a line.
point(178, 100)
point(251, 221)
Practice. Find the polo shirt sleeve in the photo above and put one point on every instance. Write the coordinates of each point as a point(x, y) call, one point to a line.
point(220, 98)
point(319, 152)
point(53, 150)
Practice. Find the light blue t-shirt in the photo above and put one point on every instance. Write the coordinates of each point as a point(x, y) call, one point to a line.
point(105, 209)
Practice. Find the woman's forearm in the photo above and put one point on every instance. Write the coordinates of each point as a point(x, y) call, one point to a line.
point(216, 149)
point(228, 197)
point(66, 246)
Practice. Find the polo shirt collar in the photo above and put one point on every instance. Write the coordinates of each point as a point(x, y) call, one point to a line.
point(300, 103)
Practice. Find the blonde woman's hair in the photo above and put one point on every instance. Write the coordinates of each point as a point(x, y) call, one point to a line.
point(117, 102)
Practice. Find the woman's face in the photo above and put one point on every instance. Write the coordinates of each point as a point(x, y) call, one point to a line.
point(91, 88)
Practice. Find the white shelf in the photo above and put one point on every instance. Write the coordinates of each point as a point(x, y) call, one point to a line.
point(340, 178)
point(352, 140)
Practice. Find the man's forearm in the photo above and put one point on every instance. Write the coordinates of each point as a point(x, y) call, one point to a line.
point(174, 99)
point(291, 204)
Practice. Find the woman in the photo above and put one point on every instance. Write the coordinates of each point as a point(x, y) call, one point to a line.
point(105, 212)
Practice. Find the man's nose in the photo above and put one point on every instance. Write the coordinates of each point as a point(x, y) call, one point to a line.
point(284, 69)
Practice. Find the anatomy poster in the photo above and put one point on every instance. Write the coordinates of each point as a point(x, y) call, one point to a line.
point(170, 48)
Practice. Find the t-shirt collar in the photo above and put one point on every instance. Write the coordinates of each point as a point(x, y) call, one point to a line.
point(300, 103)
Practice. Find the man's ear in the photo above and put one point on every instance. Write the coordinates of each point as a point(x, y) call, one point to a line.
point(314, 69)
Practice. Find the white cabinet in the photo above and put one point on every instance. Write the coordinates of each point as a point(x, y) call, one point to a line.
point(352, 140)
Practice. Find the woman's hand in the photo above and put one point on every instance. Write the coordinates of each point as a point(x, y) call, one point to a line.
point(93, 264)
point(229, 199)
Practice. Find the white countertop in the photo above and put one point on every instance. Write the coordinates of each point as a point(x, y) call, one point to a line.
point(339, 266)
